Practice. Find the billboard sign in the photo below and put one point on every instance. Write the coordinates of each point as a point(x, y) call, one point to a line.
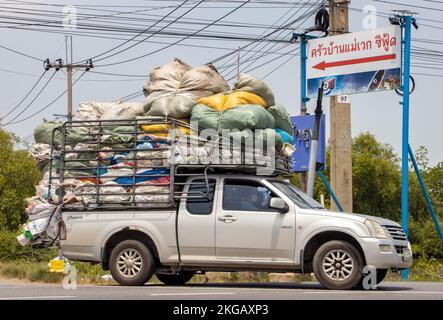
point(356, 62)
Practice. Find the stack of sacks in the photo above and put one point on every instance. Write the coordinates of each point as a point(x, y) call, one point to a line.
point(239, 109)
point(87, 111)
point(42, 209)
point(250, 84)
point(174, 88)
point(251, 105)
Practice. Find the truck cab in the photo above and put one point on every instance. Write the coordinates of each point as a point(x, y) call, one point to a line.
point(234, 222)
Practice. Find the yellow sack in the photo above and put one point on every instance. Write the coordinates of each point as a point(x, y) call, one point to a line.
point(222, 101)
point(162, 129)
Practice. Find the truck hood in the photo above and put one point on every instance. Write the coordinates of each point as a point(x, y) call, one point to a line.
point(351, 216)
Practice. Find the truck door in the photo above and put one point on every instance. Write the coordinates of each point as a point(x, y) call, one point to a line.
point(247, 229)
point(196, 224)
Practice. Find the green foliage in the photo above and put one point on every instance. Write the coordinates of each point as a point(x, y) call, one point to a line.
point(424, 238)
point(11, 250)
point(434, 182)
point(376, 178)
point(18, 176)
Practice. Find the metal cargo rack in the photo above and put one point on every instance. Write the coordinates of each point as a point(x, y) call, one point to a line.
point(84, 153)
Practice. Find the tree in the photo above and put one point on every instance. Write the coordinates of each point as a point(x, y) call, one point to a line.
point(18, 176)
point(376, 177)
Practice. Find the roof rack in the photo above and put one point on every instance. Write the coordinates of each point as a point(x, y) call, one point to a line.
point(143, 162)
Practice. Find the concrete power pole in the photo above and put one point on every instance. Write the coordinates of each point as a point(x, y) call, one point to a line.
point(340, 139)
point(59, 64)
point(69, 76)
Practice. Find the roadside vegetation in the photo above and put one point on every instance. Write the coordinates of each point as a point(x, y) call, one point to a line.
point(376, 191)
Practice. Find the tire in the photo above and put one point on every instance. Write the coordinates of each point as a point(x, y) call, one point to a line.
point(175, 279)
point(131, 263)
point(330, 270)
point(381, 274)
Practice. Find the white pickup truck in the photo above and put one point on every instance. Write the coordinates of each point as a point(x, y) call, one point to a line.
point(242, 223)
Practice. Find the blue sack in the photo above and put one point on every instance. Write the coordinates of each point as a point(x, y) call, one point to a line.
point(285, 137)
point(141, 176)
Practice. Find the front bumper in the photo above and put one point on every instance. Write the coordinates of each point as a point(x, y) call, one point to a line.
point(399, 255)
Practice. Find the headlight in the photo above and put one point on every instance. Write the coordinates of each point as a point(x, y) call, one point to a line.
point(376, 229)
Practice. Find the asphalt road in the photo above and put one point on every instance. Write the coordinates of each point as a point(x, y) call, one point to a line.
point(10, 290)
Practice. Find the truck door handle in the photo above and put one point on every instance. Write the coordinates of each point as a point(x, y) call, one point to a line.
point(227, 219)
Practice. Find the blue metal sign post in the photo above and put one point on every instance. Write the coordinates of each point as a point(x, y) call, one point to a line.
point(405, 20)
point(303, 57)
point(405, 23)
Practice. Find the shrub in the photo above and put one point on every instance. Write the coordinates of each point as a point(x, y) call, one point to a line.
point(424, 238)
point(11, 250)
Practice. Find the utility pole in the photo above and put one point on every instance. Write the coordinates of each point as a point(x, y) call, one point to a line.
point(340, 139)
point(69, 78)
point(238, 63)
point(304, 100)
point(69, 66)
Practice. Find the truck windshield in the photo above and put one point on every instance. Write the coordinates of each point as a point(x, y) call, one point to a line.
point(300, 199)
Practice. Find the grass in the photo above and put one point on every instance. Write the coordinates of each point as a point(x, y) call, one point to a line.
point(39, 272)
point(424, 269)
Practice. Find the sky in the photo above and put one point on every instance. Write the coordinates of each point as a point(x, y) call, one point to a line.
point(379, 113)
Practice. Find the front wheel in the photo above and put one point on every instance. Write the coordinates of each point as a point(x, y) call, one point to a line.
point(381, 274)
point(177, 279)
point(338, 265)
point(131, 263)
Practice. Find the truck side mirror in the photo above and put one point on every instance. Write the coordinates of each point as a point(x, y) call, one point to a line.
point(279, 204)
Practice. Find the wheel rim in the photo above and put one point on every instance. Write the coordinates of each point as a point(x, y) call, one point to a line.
point(338, 265)
point(129, 263)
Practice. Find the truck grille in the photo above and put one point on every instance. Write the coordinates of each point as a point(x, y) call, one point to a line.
point(397, 233)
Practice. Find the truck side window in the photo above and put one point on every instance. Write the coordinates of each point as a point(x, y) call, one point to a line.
point(240, 195)
point(200, 205)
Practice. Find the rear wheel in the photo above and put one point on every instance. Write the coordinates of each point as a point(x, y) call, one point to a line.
point(338, 265)
point(131, 263)
point(175, 279)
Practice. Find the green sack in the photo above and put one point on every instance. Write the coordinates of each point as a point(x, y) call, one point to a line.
point(260, 138)
point(248, 83)
point(172, 106)
point(247, 116)
point(43, 132)
point(281, 117)
point(75, 135)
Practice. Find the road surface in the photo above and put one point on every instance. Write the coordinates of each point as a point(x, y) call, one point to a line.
point(13, 290)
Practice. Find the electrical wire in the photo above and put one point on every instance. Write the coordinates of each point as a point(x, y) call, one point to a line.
point(26, 95)
point(131, 96)
point(32, 101)
point(278, 67)
point(264, 32)
point(151, 26)
point(179, 41)
point(306, 14)
point(48, 105)
point(21, 53)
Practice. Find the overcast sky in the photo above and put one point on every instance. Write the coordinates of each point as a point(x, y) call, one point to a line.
point(378, 113)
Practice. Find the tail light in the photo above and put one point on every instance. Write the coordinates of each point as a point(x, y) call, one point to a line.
point(62, 229)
